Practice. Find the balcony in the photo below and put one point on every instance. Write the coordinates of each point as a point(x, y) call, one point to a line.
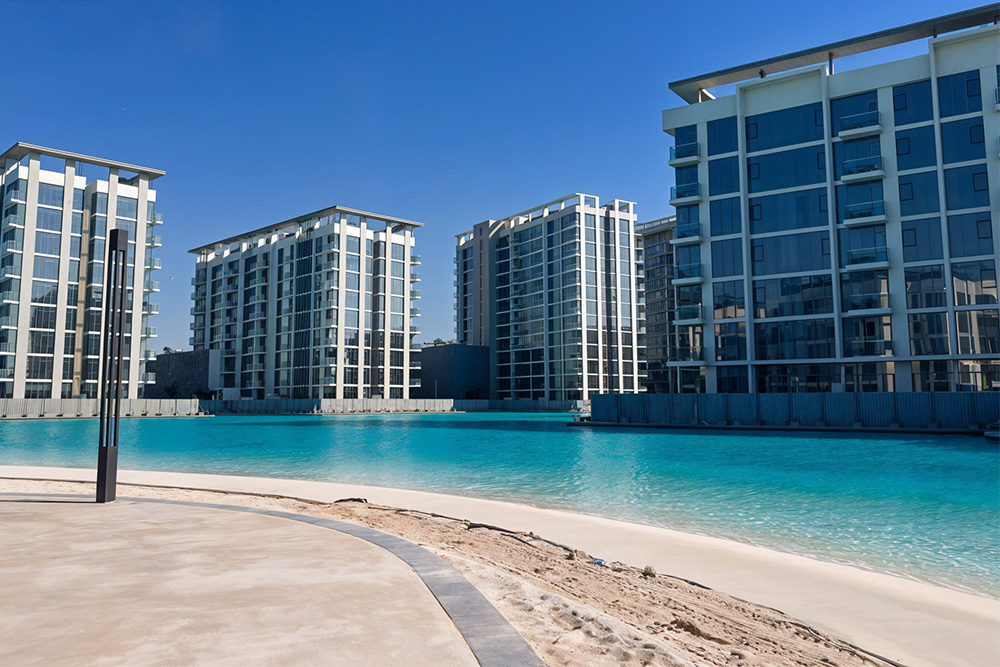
point(151, 285)
point(7, 347)
point(414, 329)
point(255, 367)
point(151, 308)
point(148, 378)
point(149, 355)
point(414, 382)
point(255, 349)
point(8, 321)
point(9, 296)
point(11, 246)
point(256, 298)
point(414, 312)
point(684, 154)
point(860, 125)
point(157, 219)
point(414, 294)
point(862, 169)
point(689, 232)
point(414, 364)
point(253, 384)
point(329, 381)
point(686, 353)
point(996, 99)
point(686, 274)
point(867, 302)
point(154, 241)
point(414, 277)
point(197, 310)
point(864, 213)
point(10, 271)
point(690, 314)
point(869, 347)
point(689, 193)
point(414, 259)
point(14, 195)
point(868, 258)
point(149, 332)
point(257, 280)
point(154, 263)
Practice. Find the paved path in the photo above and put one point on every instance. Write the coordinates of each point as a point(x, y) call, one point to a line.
point(143, 581)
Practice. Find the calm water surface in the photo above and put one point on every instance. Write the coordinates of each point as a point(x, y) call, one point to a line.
point(926, 507)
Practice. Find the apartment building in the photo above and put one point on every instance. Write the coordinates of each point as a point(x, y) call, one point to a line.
point(57, 209)
point(658, 256)
point(319, 306)
point(838, 231)
point(555, 292)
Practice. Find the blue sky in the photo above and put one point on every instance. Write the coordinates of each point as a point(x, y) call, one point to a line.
point(448, 113)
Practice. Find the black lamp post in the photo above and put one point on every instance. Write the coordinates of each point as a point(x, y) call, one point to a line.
point(112, 362)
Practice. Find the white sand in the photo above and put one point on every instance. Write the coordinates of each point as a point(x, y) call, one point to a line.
point(907, 621)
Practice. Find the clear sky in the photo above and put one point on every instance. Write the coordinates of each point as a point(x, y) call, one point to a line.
point(448, 113)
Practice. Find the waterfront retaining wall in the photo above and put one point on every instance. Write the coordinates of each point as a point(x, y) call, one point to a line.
point(957, 410)
point(383, 405)
point(89, 407)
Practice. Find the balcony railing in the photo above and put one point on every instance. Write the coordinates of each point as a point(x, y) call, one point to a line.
point(864, 210)
point(8, 321)
point(151, 308)
point(414, 259)
point(152, 285)
point(687, 190)
point(149, 332)
point(869, 347)
point(414, 382)
point(859, 120)
point(684, 150)
point(148, 378)
point(154, 263)
point(867, 255)
point(9, 296)
point(414, 364)
point(155, 241)
point(867, 301)
point(10, 246)
point(686, 353)
point(863, 165)
point(682, 271)
point(690, 312)
point(687, 230)
point(6, 347)
point(414, 276)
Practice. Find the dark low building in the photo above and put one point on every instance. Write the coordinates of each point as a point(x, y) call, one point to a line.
point(451, 370)
point(188, 374)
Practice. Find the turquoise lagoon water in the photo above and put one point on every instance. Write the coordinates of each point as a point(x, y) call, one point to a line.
point(926, 507)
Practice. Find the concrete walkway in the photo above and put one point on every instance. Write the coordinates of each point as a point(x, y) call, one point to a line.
point(144, 581)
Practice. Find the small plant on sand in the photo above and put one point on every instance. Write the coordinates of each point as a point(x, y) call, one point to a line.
point(649, 571)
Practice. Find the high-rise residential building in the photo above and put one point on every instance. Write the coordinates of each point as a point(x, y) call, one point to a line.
point(556, 293)
point(658, 256)
point(839, 231)
point(319, 306)
point(57, 209)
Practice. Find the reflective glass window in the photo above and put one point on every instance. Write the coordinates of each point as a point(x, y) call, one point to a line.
point(725, 216)
point(722, 136)
point(791, 253)
point(915, 148)
point(728, 299)
point(787, 169)
point(795, 339)
point(853, 105)
point(790, 297)
point(966, 187)
point(970, 234)
point(925, 287)
point(918, 193)
point(723, 176)
point(959, 93)
point(727, 257)
point(963, 140)
point(791, 210)
point(975, 282)
point(921, 239)
point(928, 333)
point(784, 127)
point(912, 103)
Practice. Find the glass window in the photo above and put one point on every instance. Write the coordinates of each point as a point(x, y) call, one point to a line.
point(911, 103)
point(857, 156)
point(725, 216)
point(50, 195)
point(46, 268)
point(851, 106)
point(722, 136)
point(791, 253)
point(860, 290)
point(47, 244)
point(795, 339)
point(922, 239)
point(860, 245)
point(925, 287)
point(963, 140)
point(784, 127)
point(928, 333)
point(975, 282)
point(970, 234)
point(685, 175)
point(966, 187)
point(790, 297)
point(731, 341)
point(685, 135)
point(44, 292)
point(48, 218)
point(127, 207)
point(959, 93)
point(788, 169)
point(918, 193)
point(732, 380)
point(978, 332)
point(867, 336)
point(860, 200)
point(792, 210)
point(728, 299)
point(915, 148)
point(723, 176)
point(727, 257)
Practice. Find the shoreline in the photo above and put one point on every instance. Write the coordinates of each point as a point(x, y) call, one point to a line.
point(910, 621)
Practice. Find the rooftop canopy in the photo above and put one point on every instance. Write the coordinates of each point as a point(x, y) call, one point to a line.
point(19, 150)
point(695, 89)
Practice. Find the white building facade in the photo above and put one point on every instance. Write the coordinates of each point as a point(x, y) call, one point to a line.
point(839, 231)
point(319, 306)
point(57, 210)
point(556, 293)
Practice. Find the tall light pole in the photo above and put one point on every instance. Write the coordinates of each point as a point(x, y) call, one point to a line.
point(112, 362)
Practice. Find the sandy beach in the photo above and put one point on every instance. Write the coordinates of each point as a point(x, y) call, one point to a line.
point(825, 607)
